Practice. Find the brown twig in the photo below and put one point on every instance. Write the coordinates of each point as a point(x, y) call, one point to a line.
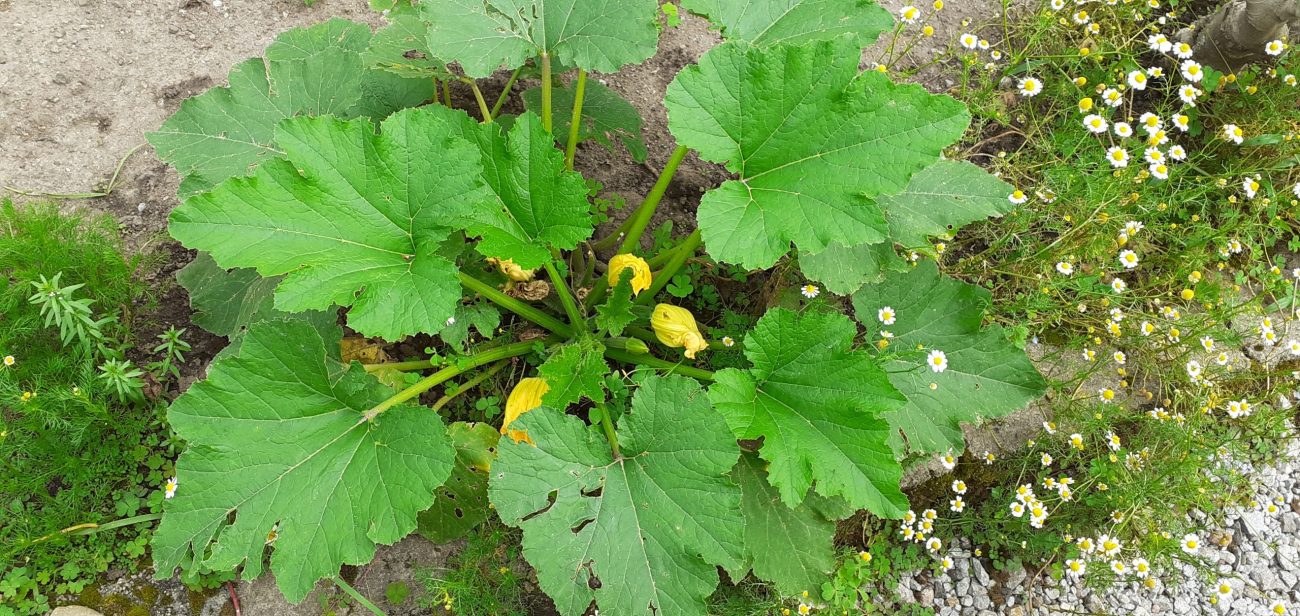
point(234, 598)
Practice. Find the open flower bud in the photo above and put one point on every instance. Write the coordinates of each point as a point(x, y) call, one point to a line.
point(640, 271)
point(675, 327)
point(512, 271)
point(526, 396)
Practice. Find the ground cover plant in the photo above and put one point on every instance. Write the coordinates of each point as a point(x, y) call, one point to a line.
point(86, 453)
point(1152, 256)
point(345, 209)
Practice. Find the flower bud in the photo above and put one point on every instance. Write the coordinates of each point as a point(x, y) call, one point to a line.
point(512, 271)
point(526, 396)
point(640, 271)
point(675, 327)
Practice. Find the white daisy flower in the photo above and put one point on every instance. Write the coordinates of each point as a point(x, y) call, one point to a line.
point(1123, 130)
point(1030, 87)
point(886, 315)
point(1233, 133)
point(1095, 123)
point(1117, 157)
point(937, 361)
point(1192, 71)
point(1274, 47)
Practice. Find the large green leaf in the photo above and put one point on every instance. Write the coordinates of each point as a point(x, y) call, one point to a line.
point(596, 35)
point(227, 131)
point(814, 143)
point(278, 441)
point(539, 205)
point(461, 503)
point(844, 269)
point(943, 197)
point(792, 548)
point(815, 401)
point(605, 116)
point(225, 302)
point(350, 218)
point(772, 22)
point(576, 371)
point(639, 534)
point(402, 48)
point(986, 376)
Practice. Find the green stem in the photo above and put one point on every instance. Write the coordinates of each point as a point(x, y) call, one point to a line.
point(478, 96)
point(566, 298)
point(513, 305)
point(658, 364)
point(618, 234)
point(575, 121)
point(610, 435)
point(546, 91)
point(352, 592)
point(641, 218)
point(470, 384)
point(436, 83)
point(431, 381)
point(501, 100)
point(401, 366)
point(665, 275)
point(446, 92)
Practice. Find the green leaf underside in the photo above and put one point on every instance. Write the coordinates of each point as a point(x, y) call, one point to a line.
point(605, 116)
point(227, 131)
point(225, 302)
point(815, 402)
point(402, 48)
point(844, 269)
point(538, 204)
point(791, 548)
point(351, 218)
point(276, 436)
point(813, 142)
point(596, 35)
point(986, 377)
point(943, 197)
point(574, 372)
point(651, 526)
point(461, 504)
point(773, 22)
point(616, 313)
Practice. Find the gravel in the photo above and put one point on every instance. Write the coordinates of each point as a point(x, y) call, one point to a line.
point(1260, 560)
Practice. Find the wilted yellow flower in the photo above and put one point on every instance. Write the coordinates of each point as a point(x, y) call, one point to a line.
point(512, 271)
point(640, 271)
point(526, 396)
point(675, 327)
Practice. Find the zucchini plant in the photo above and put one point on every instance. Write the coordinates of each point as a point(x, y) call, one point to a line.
point(334, 176)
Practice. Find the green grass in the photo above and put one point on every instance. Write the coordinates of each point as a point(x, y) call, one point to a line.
point(75, 452)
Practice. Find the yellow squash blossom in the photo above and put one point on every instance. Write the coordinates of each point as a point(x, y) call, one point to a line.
point(526, 396)
point(675, 327)
point(512, 271)
point(640, 271)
